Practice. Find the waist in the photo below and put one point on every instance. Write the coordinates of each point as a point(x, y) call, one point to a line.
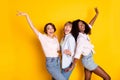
point(52, 61)
point(52, 58)
point(87, 52)
point(87, 55)
point(50, 54)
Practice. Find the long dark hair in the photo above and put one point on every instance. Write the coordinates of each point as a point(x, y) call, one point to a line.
point(75, 30)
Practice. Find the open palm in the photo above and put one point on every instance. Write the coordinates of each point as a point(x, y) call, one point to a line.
point(19, 13)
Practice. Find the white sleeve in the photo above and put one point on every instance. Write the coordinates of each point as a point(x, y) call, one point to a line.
point(90, 26)
point(79, 48)
point(41, 37)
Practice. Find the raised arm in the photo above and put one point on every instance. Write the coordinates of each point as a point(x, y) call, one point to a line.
point(94, 18)
point(29, 21)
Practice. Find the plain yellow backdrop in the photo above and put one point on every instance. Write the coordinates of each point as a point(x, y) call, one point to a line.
point(21, 55)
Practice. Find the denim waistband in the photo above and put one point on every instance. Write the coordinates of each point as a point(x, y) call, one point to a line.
point(52, 58)
point(89, 55)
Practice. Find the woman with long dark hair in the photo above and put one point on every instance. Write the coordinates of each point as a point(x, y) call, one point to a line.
point(80, 31)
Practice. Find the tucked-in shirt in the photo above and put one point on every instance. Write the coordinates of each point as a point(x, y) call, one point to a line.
point(50, 45)
point(84, 46)
point(68, 42)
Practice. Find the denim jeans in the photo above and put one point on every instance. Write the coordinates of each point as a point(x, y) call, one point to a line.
point(88, 62)
point(53, 67)
point(66, 74)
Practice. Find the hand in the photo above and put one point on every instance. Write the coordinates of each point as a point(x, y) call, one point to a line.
point(96, 10)
point(67, 52)
point(69, 69)
point(19, 13)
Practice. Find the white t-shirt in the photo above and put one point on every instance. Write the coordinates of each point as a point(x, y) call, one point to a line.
point(84, 46)
point(50, 45)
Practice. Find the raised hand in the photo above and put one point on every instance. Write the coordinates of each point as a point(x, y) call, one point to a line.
point(96, 10)
point(19, 13)
point(67, 52)
point(94, 18)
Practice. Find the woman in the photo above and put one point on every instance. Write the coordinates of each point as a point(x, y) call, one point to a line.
point(50, 47)
point(67, 49)
point(85, 48)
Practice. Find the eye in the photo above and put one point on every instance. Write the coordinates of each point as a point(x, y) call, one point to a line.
point(48, 28)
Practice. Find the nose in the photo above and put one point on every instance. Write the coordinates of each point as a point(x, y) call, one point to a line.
point(52, 30)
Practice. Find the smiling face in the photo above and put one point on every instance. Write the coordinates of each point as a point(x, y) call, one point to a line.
point(67, 28)
point(50, 30)
point(81, 27)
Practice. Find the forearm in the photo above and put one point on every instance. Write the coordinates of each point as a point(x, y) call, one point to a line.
point(93, 20)
point(31, 25)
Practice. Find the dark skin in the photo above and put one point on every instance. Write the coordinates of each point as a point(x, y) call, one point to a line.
point(98, 71)
point(91, 23)
point(94, 18)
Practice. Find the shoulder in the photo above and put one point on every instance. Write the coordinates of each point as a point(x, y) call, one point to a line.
point(40, 34)
point(80, 39)
point(55, 37)
point(71, 37)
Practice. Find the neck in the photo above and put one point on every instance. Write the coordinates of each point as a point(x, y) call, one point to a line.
point(66, 34)
point(82, 32)
point(51, 36)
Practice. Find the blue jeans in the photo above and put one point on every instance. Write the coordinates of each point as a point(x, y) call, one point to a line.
point(66, 74)
point(53, 67)
point(88, 62)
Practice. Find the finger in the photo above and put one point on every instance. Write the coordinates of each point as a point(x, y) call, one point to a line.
point(68, 51)
point(66, 70)
point(96, 9)
point(70, 69)
point(18, 13)
point(64, 51)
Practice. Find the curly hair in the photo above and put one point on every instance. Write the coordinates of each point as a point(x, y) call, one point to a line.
point(75, 30)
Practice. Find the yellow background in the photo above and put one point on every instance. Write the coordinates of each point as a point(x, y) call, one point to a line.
point(21, 56)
